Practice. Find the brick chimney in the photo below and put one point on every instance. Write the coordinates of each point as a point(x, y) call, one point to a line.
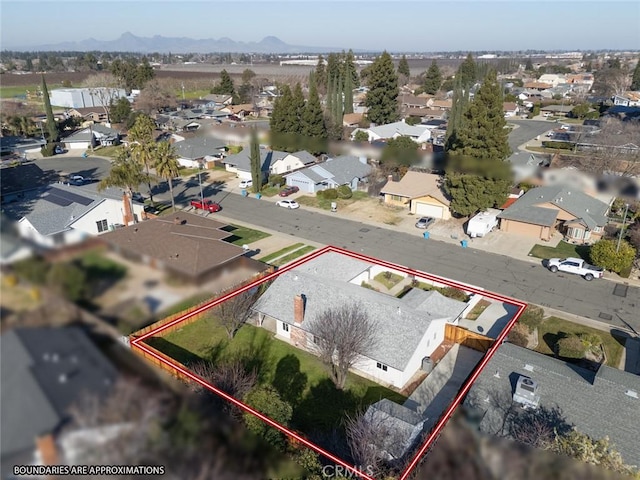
point(298, 309)
point(127, 217)
point(390, 178)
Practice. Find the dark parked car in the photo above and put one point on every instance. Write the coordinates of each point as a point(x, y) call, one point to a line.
point(425, 222)
point(286, 191)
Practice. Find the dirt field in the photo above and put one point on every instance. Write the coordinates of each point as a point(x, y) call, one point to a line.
point(371, 209)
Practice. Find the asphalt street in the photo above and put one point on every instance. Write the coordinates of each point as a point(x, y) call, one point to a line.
point(600, 300)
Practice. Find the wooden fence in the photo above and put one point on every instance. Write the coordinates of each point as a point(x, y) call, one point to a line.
point(163, 366)
point(467, 338)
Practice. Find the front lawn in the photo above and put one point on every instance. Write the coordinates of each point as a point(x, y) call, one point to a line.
point(299, 376)
point(313, 201)
point(280, 252)
point(110, 152)
point(563, 250)
point(551, 330)
point(293, 255)
point(243, 235)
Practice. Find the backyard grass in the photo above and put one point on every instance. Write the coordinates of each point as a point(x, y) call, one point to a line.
point(388, 279)
point(293, 255)
point(563, 250)
point(280, 252)
point(299, 376)
point(243, 235)
point(549, 332)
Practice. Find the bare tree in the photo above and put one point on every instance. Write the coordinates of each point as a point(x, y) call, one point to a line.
point(342, 334)
point(233, 313)
point(104, 87)
point(538, 427)
point(367, 436)
point(231, 377)
point(154, 97)
point(611, 81)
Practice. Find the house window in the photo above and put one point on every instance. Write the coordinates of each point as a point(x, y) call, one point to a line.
point(288, 168)
point(381, 366)
point(285, 327)
point(102, 226)
point(397, 198)
point(597, 229)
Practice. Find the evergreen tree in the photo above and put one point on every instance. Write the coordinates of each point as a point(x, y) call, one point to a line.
point(280, 108)
point(313, 126)
point(348, 94)
point(635, 80)
point(432, 79)
point(458, 105)
point(403, 67)
point(350, 69)
point(338, 104)
point(321, 75)
point(589, 67)
point(334, 66)
point(468, 72)
point(482, 133)
point(226, 85)
point(52, 128)
point(528, 66)
point(382, 98)
point(254, 158)
point(295, 112)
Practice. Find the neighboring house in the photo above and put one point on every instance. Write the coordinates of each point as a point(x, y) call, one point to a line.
point(45, 370)
point(92, 136)
point(93, 114)
point(601, 403)
point(417, 133)
point(12, 247)
point(190, 247)
point(352, 119)
point(628, 99)
point(240, 111)
point(219, 100)
point(412, 101)
point(510, 109)
point(402, 427)
point(184, 125)
point(583, 80)
point(240, 163)
point(407, 329)
point(537, 86)
point(553, 79)
point(421, 192)
point(294, 161)
point(442, 104)
point(196, 151)
point(85, 97)
point(543, 210)
point(557, 110)
point(343, 170)
point(63, 214)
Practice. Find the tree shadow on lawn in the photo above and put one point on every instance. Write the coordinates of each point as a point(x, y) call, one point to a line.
point(172, 350)
point(324, 407)
point(289, 380)
point(254, 353)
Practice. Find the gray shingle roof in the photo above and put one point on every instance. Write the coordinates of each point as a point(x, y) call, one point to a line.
point(198, 147)
point(579, 204)
point(340, 170)
point(44, 371)
point(305, 157)
point(402, 425)
point(242, 161)
point(400, 325)
point(596, 403)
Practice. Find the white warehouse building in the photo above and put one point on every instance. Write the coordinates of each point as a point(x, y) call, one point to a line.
point(85, 97)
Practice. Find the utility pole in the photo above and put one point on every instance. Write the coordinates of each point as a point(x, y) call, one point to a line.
point(624, 219)
point(200, 182)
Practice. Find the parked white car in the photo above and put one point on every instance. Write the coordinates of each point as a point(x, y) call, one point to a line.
point(291, 204)
point(246, 183)
point(576, 266)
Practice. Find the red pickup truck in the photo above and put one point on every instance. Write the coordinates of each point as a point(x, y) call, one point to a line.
point(208, 205)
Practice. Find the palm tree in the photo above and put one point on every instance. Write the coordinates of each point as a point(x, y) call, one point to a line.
point(143, 153)
point(125, 173)
point(143, 145)
point(166, 165)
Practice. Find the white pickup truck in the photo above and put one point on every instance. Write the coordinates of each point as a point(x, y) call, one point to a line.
point(576, 266)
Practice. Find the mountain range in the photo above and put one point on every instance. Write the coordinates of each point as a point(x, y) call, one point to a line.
point(128, 42)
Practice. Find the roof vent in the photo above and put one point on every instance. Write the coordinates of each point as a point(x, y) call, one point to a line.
point(295, 277)
point(45, 356)
point(631, 393)
point(528, 367)
point(55, 358)
point(399, 311)
point(62, 378)
point(497, 374)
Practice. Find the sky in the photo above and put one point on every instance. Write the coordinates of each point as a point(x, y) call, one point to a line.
point(391, 25)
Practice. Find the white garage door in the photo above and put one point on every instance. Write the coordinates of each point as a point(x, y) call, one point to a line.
point(428, 210)
point(303, 185)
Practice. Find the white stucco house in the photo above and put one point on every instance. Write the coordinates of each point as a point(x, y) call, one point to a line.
point(293, 161)
point(63, 214)
point(417, 133)
point(195, 151)
point(407, 329)
point(92, 136)
point(274, 162)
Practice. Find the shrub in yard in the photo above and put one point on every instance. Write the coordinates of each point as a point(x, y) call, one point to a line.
point(328, 194)
point(344, 191)
point(34, 270)
point(603, 254)
point(266, 399)
point(69, 280)
point(276, 180)
point(48, 150)
point(518, 335)
point(532, 317)
point(570, 347)
point(590, 341)
point(454, 293)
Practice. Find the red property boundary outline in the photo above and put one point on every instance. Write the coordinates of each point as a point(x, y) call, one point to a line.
point(138, 343)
